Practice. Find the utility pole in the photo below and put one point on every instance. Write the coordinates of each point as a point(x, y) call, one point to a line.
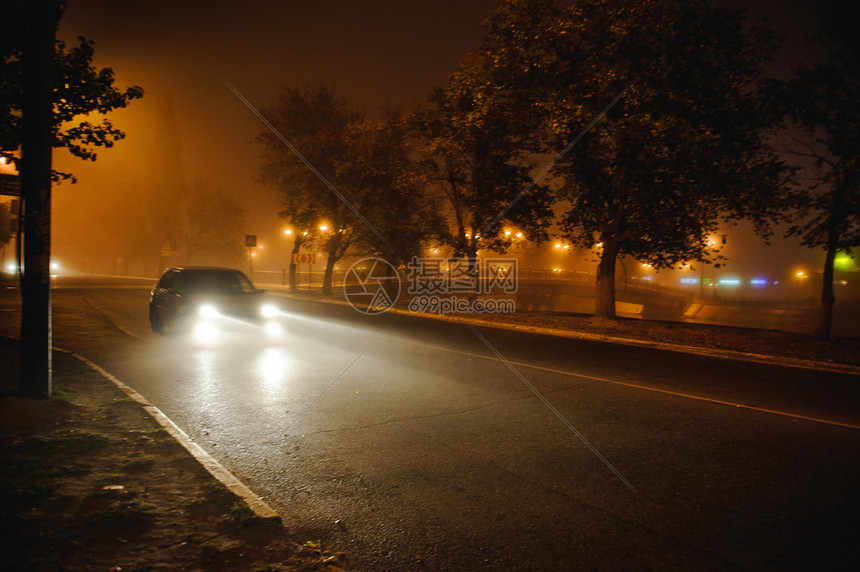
point(36, 145)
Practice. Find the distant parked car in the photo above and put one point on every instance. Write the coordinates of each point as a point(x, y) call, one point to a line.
point(190, 295)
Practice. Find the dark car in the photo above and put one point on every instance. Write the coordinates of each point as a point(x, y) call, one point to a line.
point(190, 295)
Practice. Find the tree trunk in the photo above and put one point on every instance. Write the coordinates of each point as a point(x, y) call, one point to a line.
point(294, 283)
point(605, 304)
point(331, 259)
point(35, 348)
point(472, 257)
point(825, 312)
point(329, 273)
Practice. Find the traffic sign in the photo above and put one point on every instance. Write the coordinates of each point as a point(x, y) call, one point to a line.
point(306, 258)
point(250, 240)
point(10, 185)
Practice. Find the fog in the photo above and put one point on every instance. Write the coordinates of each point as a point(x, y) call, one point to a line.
point(190, 134)
point(190, 131)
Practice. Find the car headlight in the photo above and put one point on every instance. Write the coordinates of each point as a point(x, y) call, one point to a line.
point(208, 311)
point(268, 311)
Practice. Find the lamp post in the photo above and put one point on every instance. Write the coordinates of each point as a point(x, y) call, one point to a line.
point(562, 248)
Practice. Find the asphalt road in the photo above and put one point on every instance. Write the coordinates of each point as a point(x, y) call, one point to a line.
point(411, 443)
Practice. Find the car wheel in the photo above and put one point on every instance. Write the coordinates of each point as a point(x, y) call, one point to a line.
point(155, 321)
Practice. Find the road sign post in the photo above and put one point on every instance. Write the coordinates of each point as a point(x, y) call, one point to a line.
point(308, 258)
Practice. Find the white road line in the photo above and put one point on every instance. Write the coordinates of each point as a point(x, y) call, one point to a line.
point(215, 468)
point(642, 387)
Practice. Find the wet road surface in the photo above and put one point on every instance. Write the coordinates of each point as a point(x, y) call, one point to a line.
point(411, 443)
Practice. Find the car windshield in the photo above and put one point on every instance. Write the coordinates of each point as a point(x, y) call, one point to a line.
point(216, 283)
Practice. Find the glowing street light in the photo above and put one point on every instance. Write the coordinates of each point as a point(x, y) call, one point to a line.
point(561, 247)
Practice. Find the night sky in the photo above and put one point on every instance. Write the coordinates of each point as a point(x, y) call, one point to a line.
point(190, 128)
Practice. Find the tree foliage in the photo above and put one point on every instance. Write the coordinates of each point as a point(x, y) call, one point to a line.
point(824, 125)
point(385, 163)
point(474, 139)
point(823, 105)
point(346, 182)
point(80, 89)
point(316, 123)
point(681, 151)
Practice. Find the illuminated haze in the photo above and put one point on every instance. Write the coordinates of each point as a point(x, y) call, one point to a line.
point(190, 131)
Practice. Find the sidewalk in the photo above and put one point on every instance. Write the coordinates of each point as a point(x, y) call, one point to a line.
point(90, 481)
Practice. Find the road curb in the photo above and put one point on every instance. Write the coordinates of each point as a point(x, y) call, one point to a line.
point(710, 352)
point(667, 346)
point(216, 469)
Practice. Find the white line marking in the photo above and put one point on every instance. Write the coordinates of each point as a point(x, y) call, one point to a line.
point(215, 468)
point(642, 387)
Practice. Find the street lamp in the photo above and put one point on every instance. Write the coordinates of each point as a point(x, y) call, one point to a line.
point(561, 250)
